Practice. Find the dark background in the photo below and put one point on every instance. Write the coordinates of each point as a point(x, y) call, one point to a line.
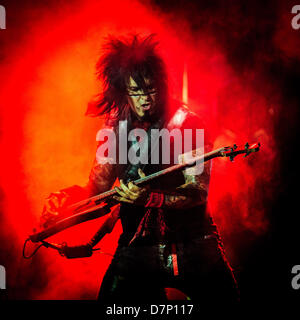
point(245, 30)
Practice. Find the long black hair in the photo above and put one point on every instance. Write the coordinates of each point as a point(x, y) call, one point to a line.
point(135, 57)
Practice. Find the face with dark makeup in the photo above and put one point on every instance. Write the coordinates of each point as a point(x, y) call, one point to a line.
point(142, 101)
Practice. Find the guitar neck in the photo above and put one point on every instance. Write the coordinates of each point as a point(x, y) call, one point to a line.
point(142, 181)
point(180, 166)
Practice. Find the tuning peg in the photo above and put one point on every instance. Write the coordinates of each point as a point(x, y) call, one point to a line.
point(231, 157)
point(247, 149)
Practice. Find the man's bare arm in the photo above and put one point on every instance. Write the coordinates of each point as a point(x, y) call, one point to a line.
point(193, 192)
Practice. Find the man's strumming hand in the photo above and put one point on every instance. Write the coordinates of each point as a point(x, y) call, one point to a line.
point(53, 204)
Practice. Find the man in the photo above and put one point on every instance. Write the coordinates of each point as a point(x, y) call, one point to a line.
point(168, 239)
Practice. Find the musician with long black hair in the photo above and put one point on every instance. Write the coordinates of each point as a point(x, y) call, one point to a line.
point(169, 239)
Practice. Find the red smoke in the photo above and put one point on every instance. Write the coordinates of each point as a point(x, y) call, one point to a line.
point(48, 144)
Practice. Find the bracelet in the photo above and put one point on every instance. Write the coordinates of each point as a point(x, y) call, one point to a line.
point(156, 200)
point(59, 194)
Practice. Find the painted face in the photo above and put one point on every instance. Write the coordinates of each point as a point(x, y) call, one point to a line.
point(141, 102)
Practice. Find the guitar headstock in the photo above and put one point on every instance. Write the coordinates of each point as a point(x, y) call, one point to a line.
point(234, 150)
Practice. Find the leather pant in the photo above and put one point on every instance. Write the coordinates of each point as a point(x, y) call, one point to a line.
point(197, 268)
